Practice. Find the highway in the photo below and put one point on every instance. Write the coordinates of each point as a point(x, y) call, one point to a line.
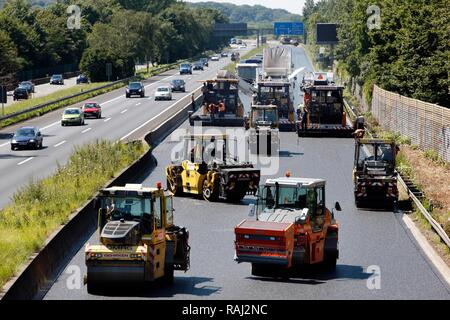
point(369, 241)
point(44, 89)
point(121, 120)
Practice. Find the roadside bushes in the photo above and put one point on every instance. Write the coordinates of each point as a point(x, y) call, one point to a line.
point(38, 208)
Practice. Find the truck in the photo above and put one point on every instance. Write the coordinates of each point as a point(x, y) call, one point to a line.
point(263, 135)
point(273, 86)
point(223, 89)
point(323, 114)
point(139, 242)
point(207, 167)
point(293, 228)
point(374, 173)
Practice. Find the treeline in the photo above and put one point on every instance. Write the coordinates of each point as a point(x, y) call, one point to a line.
point(249, 14)
point(409, 53)
point(120, 32)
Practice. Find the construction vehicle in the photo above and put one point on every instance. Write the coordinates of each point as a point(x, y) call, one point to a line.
point(223, 89)
point(323, 113)
point(139, 242)
point(293, 228)
point(374, 174)
point(263, 134)
point(273, 86)
point(207, 167)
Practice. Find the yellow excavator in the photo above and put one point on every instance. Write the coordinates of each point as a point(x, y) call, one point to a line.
point(139, 242)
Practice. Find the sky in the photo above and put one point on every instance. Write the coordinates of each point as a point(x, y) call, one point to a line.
point(293, 6)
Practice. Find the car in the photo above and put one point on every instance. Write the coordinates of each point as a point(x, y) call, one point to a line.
point(257, 61)
point(185, 68)
point(92, 109)
point(27, 137)
point(205, 61)
point(135, 89)
point(20, 93)
point(57, 79)
point(72, 116)
point(82, 79)
point(198, 66)
point(28, 85)
point(224, 54)
point(178, 85)
point(215, 58)
point(163, 93)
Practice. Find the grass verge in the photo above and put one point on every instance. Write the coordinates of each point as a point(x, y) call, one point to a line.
point(40, 207)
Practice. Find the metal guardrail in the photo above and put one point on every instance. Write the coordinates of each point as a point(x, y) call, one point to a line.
point(434, 224)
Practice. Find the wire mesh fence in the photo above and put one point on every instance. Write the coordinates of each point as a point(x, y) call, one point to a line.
point(426, 124)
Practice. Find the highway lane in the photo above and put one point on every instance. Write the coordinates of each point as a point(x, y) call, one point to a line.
point(369, 241)
point(44, 89)
point(121, 116)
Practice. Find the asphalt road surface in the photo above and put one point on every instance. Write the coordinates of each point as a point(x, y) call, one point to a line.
point(44, 89)
point(121, 120)
point(379, 259)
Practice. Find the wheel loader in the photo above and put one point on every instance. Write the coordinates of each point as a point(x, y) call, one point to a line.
point(263, 135)
point(206, 168)
point(292, 228)
point(138, 240)
point(374, 174)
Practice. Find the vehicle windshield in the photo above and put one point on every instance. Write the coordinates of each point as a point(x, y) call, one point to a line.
point(134, 85)
point(178, 82)
point(57, 76)
point(264, 115)
point(25, 132)
point(72, 111)
point(375, 152)
point(90, 105)
point(288, 198)
point(127, 208)
point(163, 89)
point(25, 84)
point(185, 66)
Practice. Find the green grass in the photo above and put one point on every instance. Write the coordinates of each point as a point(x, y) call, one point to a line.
point(40, 207)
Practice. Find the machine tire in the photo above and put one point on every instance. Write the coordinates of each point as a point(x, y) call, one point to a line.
point(176, 190)
point(259, 270)
point(208, 194)
point(92, 287)
point(168, 277)
point(330, 261)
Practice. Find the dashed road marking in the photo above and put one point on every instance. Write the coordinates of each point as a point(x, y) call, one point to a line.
point(87, 130)
point(60, 144)
point(25, 161)
point(106, 120)
point(123, 111)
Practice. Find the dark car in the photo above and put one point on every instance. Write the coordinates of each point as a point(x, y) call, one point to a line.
point(185, 68)
point(28, 85)
point(20, 93)
point(57, 79)
point(92, 109)
point(178, 85)
point(224, 54)
point(135, 89)
point(198, 66)
point(27, 137)
point(205, 62)
point(257, 61)
point(82, 79)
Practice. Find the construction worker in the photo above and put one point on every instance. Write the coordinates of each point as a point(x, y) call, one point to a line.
point(221, 109)
point(212, 110)
point(305, 118)
point(193, 102)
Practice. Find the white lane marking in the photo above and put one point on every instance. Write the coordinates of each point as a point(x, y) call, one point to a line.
point(123, 111)
point(138, 104)
point(50, 125)
point(159, 114)
point(109, 101)
point(5, 144)
point(87, 130)
point(60, 144)
point(25, 161)
point(106, 120)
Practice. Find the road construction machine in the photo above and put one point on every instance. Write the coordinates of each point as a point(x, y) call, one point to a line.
point(322, 113)
point(139, 241)
point(207, 166)
point(273, 87)
point(374, 174)
point(220, 93)
point(292, 228)
point(262, 130)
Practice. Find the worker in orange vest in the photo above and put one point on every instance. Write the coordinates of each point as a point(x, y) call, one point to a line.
point(221, 109)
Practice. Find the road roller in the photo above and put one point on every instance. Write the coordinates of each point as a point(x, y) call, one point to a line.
point(138, 240)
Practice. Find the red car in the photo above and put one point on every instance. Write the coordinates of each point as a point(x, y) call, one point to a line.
point(92, 109)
